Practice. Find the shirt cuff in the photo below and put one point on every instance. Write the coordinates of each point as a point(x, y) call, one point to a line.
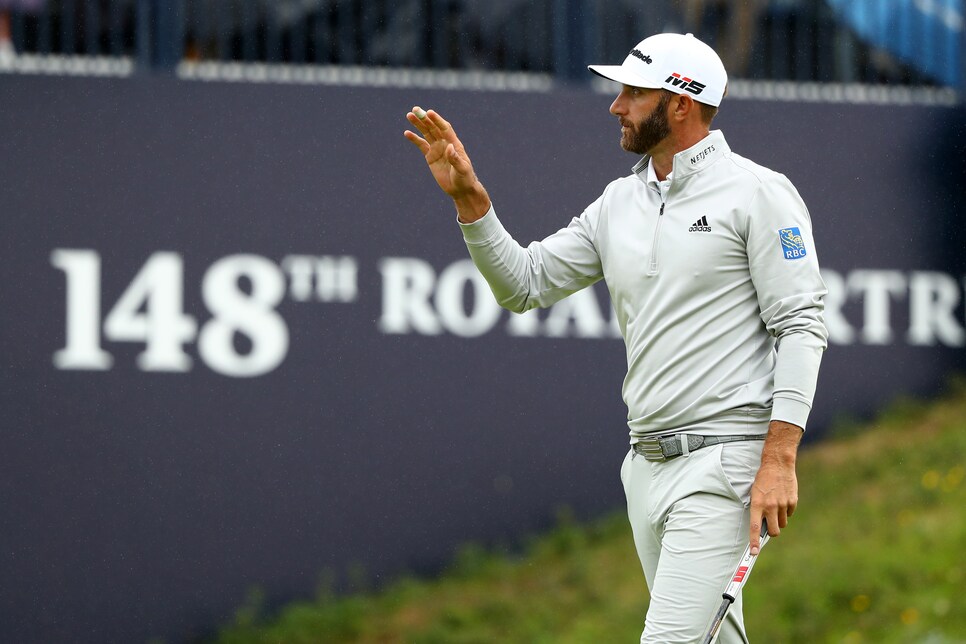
point(791, 411)
point(483, 229)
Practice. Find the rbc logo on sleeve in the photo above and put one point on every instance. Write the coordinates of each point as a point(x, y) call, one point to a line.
point(793, 246)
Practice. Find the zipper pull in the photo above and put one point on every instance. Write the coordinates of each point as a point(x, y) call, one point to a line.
point(652, 265)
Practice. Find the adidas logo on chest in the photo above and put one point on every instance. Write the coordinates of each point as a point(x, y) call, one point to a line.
point(700, 226)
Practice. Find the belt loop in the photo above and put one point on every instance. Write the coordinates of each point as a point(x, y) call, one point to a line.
point(685, 448)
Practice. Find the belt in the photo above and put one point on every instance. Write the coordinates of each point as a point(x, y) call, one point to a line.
point(664, 448)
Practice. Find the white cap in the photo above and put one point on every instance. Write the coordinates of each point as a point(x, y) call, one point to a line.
point(681, 64)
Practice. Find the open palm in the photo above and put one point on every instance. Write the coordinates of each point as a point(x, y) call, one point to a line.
point(444, 152)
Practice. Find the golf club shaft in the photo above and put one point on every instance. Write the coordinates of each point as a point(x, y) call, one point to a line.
point(738, 579)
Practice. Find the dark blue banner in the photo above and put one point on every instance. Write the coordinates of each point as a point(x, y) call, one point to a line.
point(243, 345)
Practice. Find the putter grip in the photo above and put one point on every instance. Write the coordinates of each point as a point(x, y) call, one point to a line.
point(744, 566)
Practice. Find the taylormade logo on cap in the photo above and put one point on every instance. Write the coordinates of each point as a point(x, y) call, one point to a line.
point(679, 63)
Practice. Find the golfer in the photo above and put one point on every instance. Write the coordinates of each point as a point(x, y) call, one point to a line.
point(712, 271)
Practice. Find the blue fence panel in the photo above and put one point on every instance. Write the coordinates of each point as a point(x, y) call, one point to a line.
point(924, 34)
point(871, 41)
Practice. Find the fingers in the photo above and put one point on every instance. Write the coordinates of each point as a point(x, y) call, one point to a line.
point(754, 535)
point(416, 140)
point(420, 119)
point(772, 518)
point(459, 162)
point(432, 126)
point(443, 130)
point(417, 117)
point(774, 497)
point(775, 521)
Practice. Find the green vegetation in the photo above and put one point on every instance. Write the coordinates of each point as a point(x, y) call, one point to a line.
point(876, 553)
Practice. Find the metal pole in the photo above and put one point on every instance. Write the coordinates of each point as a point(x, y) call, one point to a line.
point(169, 34)
point(220, 20)
point(44, 31)
point(145, 55)
point(438, 25)
point(562, 41)
point(574, 28)
point(273, 34)
point(590, 13)
point(961, 60)
point(345, 32)
point(67, 23)
point(160, 35)
point(249, 25)
point(298, 37)
point(116, 29)
point(92, 29)
point(321, 34)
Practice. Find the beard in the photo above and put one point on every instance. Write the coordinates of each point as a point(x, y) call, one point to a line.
point(652, 129)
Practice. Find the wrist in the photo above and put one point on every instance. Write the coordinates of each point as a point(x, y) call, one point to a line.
point(781, 443)
point(472, 205)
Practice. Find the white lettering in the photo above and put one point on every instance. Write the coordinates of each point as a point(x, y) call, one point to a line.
point(839, 329)
point(248, 314)
point(414, 301)
point(407, 286)
point(299, 269)
point(82, 349)
point(484, 312)
point(933, 298)
point(335, 278)
point(162, 326)
point(876, 287)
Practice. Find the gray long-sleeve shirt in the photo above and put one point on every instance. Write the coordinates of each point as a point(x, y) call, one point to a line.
point(714, 281)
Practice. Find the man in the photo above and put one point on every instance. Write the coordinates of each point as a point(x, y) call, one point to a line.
point(711, 268)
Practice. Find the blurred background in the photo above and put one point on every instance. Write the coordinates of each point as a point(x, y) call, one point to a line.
point(907, 42)
point(243, 347)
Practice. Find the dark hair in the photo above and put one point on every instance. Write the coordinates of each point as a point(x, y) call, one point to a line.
point(708, 112)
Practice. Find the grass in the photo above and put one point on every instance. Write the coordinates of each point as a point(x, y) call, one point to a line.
point(876, 554)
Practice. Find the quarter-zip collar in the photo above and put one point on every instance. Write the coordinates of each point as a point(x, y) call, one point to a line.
point(655, 184)
point(687, 162)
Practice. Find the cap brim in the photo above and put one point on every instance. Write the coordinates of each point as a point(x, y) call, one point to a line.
point(620, 74)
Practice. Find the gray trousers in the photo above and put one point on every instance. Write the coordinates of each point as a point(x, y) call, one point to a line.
point(690, 522)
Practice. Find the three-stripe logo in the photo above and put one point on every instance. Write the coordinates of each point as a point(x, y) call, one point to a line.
point(700, 226)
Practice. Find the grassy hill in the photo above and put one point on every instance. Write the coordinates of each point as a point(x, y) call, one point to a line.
point(876, 553)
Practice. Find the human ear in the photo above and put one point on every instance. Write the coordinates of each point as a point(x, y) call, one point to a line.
point(683, 106)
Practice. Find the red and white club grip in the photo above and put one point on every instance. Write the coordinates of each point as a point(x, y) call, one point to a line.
point(744, 567)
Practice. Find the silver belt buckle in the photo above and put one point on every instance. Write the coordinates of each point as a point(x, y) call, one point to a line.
point(650, 449)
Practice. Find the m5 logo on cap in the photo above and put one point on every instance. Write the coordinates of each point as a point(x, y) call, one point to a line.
point(685, 83)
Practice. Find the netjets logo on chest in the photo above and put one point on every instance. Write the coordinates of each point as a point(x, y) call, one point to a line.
point(700, 226)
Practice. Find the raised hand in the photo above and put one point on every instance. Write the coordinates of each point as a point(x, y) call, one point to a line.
point(448, 162)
